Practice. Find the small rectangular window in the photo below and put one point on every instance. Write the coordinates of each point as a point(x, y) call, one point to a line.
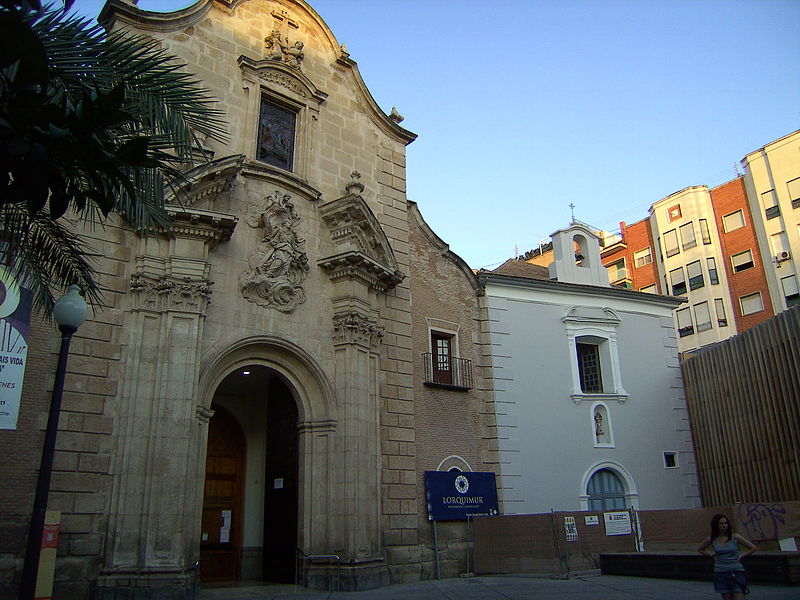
point(684, 319)
point(643, 257)
point(670, 460)
point(794, 192)
point(719, 306)
point(276, 131)
point(674, 213)
point(711, 265)
point(589, 368)
point(694, 271)
point(688, 240)
point(742, 261)
point(733, 221)
point(617, 271)
point(770, 203)
point(751, 304)
point(704, 233)
point(790, 291)
point(649, 289)
point(702, 316)
point(671, 242)
point(678, 281)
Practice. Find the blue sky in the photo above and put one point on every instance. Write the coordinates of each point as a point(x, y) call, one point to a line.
point(524, 107)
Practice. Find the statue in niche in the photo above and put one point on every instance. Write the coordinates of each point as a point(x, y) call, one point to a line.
point(282, 51)
point(280, 263)
point(598, 424)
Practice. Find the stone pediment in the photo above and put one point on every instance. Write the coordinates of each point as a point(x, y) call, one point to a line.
point(591, 315)
point(203, 184)
point(361, 247)
point(280, 74)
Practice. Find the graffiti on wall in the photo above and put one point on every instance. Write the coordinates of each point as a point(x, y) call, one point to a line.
point(762, 522)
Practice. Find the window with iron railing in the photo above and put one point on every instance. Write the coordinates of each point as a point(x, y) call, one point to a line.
point(446, 371)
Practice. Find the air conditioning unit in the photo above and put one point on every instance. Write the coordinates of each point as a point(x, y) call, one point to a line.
point(782, 256)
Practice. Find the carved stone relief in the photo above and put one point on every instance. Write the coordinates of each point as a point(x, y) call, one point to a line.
point(354, 328)
point(280, 263)
point(172, 293)
point(283, 51)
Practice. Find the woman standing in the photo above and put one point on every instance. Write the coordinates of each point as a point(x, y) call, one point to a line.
point(729, 579)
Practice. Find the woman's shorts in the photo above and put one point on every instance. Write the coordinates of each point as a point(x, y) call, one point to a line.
point(728, 582)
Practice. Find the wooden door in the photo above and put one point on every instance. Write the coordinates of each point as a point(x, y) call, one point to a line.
point(220, 542)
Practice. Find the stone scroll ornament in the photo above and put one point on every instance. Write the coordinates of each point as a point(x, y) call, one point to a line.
point(280, 263)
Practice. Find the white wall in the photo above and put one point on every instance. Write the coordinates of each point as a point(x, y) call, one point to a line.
point(547, 442)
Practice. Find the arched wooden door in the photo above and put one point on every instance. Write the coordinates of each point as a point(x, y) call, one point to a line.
point(221, 538)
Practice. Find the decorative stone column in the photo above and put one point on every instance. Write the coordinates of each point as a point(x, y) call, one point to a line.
point(152, 539)
point(361, 269)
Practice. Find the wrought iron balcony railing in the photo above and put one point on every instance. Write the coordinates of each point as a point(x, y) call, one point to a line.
point(451, 373)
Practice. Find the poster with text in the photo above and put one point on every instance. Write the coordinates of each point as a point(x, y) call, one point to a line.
point(617, 523)
point(15, 318)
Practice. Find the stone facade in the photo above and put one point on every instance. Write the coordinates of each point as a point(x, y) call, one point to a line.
point(319, 279)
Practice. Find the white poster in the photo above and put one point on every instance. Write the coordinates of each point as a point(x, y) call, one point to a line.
point(571, 529)
point(15, 314)
point(617, 523)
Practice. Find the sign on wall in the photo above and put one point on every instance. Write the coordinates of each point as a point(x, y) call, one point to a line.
point(15, 316)
point(617, 523)
point(458, 495)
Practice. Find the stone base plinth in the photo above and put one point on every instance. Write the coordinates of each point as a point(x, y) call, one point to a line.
point(351, 576)
point(147, 586)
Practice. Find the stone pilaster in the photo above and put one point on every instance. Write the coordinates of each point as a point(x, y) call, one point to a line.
point(155, 497)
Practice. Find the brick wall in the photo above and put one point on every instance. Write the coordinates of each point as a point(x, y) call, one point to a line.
point(725, 199)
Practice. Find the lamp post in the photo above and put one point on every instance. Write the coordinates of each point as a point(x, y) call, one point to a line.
point(70, 313)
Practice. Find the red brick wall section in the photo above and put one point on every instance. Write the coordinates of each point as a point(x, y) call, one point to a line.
point(725, 199)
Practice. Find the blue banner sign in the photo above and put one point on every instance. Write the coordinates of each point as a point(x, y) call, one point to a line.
point(457, 495)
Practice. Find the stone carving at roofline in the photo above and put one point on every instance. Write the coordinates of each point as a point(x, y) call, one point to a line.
point(280, 263)
point(284, 51)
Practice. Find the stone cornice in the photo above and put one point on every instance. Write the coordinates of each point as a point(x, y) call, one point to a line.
point(291, 182)
point(357, 265)
point(212, 226)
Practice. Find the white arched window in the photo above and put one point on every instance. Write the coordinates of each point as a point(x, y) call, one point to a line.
point(608, 486)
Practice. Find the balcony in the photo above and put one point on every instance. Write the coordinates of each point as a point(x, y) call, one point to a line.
point(454, 374)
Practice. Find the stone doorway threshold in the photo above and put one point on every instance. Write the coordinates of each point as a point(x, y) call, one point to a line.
point(252, 590)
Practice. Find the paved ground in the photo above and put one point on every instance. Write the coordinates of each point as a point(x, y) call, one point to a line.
point(587, 587)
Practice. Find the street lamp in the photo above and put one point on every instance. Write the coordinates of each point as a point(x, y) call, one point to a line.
point(69, 313)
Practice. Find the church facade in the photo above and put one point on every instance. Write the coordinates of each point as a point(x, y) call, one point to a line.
point(270, 378)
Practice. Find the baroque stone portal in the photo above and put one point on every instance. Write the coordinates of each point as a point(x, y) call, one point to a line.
point(280, 263)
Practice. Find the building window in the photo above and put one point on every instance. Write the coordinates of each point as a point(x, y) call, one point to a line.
point(442, 346)
point(617, 271)
point(670, 460)
point(678, 281)
point(684, 319)
point(671, 242)
point(751, 304)
point(719, 306)
point(780, 247)
point(790, 291)
point(711, 264)
point(794, 192)
point(674, 213)
point(606, 491)
point(276, 133)
point(589, 368)
point(592, 342)
point(742, 261)
point(702, 316)
point(770, 203)
point(443, 367)
point(643, 257)
point(733, 221)
point(688, 239)
point(694, 271)
point(649, 289)
point(704, 233)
